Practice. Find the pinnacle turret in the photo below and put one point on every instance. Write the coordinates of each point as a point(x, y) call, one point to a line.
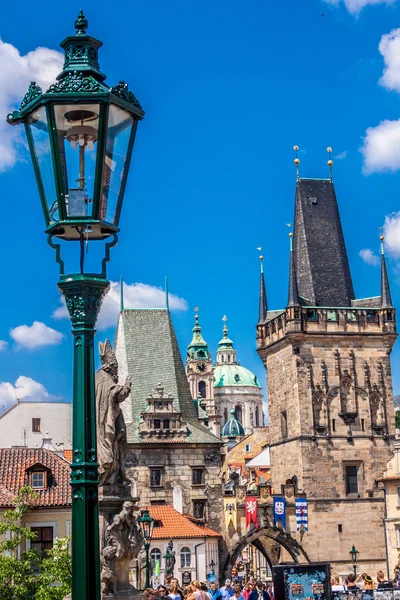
point(293, 296)
point(263, 306)
point(386, 297)
point(198, 347)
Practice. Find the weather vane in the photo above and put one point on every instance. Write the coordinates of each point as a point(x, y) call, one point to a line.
point(296, 160)
point(330, 161)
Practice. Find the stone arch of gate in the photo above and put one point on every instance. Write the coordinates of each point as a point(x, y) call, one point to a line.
point(265, 537)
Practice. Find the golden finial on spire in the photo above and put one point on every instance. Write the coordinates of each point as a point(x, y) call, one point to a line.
point(330, 161)
point(382, 238)
point(296, 160)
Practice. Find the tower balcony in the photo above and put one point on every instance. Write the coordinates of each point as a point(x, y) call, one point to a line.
point(325, 320)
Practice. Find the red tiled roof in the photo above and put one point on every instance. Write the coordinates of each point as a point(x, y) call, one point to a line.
point(68, 455)
point(174, 525)
point(14, 463)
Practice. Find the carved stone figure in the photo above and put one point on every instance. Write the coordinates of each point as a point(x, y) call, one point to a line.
point(170, 559)
point(122, 543)
point(141, 563)
point(111, 434)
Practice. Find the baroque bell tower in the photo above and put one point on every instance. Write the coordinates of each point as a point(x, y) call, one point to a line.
point(200, 374)
point(331, 411)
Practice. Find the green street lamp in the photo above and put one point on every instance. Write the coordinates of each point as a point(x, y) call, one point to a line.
point(146, 523)
point(81, 134)
point(353, 555)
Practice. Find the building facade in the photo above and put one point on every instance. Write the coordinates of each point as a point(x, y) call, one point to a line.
point(225, 386)
point(25, 423)
point(331, 412)
point(173, 458)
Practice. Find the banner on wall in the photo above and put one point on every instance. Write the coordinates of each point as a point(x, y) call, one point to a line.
point(301, 513)
point(280, 511)
point(230, 512)
point(251, 511)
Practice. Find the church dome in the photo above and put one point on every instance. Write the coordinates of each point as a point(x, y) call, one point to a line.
point(233, 427)
point(234, 374)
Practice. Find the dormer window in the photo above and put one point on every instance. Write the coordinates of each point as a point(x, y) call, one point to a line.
point(38, 480)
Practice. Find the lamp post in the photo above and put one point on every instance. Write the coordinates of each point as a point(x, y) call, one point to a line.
point(212, 567)
point(146, 527)
point(353, 555)
point(80, 134)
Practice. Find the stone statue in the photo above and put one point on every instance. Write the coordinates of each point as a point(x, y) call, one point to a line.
point(170, 559)
point(141, 563)
point(111, 433)
point(108, 578)
point(122, 542)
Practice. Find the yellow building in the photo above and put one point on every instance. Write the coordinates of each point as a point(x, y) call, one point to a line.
point(48, 474)
point(391, 484)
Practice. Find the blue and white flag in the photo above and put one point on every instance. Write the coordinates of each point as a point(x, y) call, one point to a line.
point(280, 511)
point(301, 513)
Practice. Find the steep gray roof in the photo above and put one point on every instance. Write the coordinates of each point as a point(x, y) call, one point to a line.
point(321, 264)
point(147, 351)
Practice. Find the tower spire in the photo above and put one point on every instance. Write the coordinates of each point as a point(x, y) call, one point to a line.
point(386, 298)
point(293, 296)
point(121, 294)
point(263, 306)
point(198, 347)
point(166, 293)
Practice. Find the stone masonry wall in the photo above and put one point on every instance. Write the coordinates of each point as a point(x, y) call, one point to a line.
point(177, 462)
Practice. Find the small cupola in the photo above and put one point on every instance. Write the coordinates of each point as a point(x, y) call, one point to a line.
point(226, 353)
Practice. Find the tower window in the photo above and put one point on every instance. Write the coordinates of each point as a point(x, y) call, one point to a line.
point(284, 424)
point(157, 424)
point(225, 415)
point(247, 447)
point(38, 480)
point(340, 528)
point(202, 389)
point(199, 509)
point(223, 359)
point(166, 424)
point(238, 413)
point(351, 479)
point(257, 417)
point(333, 425)
point(197, 476)
point(362, 425)
point(229, 358)
point(155, 477)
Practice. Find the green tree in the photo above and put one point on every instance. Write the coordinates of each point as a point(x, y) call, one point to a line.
point(397, 414)
point(25, 573)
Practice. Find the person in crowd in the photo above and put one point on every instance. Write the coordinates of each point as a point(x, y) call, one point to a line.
point(204, 588)
point(178, 587)
point(226, 590)
point(195, 592)
point(237, 593)
point(162, 591)
point(247, 590)
point(214, 592)
point(383, 583)
point(259, 593)
point(174, 593)
point(270, 590)
point(350, 583)
point(335, 584)
point(365, 581)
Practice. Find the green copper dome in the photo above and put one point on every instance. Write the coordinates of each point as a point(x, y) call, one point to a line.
point(234, 374)
point(233, 427)
point(198, 347)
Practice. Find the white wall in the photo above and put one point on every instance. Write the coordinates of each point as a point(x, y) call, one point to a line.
point(55, 417)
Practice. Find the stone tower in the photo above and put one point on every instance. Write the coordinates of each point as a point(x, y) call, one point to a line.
point(331, 413)
point(199, 371)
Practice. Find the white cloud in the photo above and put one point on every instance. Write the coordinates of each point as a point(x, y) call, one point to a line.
point(355, 6)
point(341, 155)
point(41, 65)
point(389, 47)
point(36, 335)
point(391, 230)
point(3, 345)
point(369, 257)
point(25, 388)
point(380, 148)
point(136, 295)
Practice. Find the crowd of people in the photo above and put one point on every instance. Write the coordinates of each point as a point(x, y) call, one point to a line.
point(253, 590)
point(363, 582)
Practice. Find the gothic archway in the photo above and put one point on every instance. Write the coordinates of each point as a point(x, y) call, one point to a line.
point(268, 540)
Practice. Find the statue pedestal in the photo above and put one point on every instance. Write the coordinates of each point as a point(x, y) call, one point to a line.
point(111, 507)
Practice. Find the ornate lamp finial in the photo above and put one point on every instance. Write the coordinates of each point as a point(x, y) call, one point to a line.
point(261, 258)
point(225, 329)
point(330, 161)
point(81, 24)
point(382, 238)
point(296, 160)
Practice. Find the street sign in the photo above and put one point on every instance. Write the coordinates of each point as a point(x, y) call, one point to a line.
point(186, 577)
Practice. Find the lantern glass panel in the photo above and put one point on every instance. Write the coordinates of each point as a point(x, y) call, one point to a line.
point(77, 128)
point(41, 153)
point(119, 131)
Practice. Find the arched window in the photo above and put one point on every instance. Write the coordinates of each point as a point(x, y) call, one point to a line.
point(155, 555)
point(186, 557)
point(223, 358)
point(202, 389)
point(257, 417)
point(225, 415)
point(229, 358)
point(238, 413)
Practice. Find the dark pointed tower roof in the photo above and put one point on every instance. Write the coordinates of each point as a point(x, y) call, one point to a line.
point(320, 257)
point(263, 306)
point(293, 295)
point(386, 297)
point(198, 347)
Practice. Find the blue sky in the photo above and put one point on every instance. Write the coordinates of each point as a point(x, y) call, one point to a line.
point(228, 88)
